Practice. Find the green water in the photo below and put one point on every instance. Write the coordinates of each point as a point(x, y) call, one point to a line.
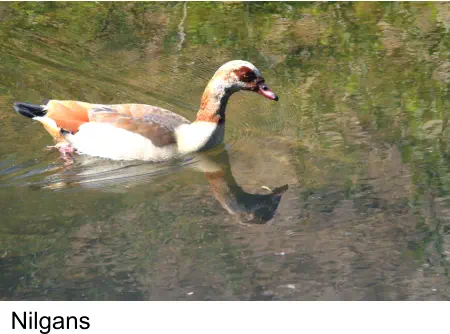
point(360, 136)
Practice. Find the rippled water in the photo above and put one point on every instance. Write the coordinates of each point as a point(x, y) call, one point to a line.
point(341, 190)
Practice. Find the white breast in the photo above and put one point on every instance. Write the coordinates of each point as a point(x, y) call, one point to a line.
point(198, 136)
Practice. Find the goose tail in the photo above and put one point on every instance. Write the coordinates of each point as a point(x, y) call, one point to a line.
point(30, 110)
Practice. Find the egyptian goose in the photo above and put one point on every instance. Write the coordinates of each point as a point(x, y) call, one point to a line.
point(145, 132)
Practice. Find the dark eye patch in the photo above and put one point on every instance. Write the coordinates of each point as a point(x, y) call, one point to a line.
point(251, 76)
point(245, 74)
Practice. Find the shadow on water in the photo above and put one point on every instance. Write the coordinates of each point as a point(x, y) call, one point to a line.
point(360, 135)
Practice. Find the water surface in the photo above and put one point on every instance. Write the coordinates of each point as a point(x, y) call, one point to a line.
point(340, 191)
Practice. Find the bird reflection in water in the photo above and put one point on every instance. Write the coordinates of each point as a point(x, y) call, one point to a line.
point(245, 207)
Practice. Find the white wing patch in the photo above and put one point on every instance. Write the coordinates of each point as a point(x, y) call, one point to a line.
point(106, 141)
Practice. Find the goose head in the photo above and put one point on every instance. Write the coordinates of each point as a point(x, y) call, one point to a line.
point(238, 75)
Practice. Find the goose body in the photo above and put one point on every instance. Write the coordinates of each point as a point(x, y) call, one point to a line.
point(145, 132)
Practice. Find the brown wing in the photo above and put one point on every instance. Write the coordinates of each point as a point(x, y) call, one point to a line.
point(160, 133)
point(154, 123)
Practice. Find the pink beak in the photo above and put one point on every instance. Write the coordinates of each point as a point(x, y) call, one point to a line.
point(266, 92)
